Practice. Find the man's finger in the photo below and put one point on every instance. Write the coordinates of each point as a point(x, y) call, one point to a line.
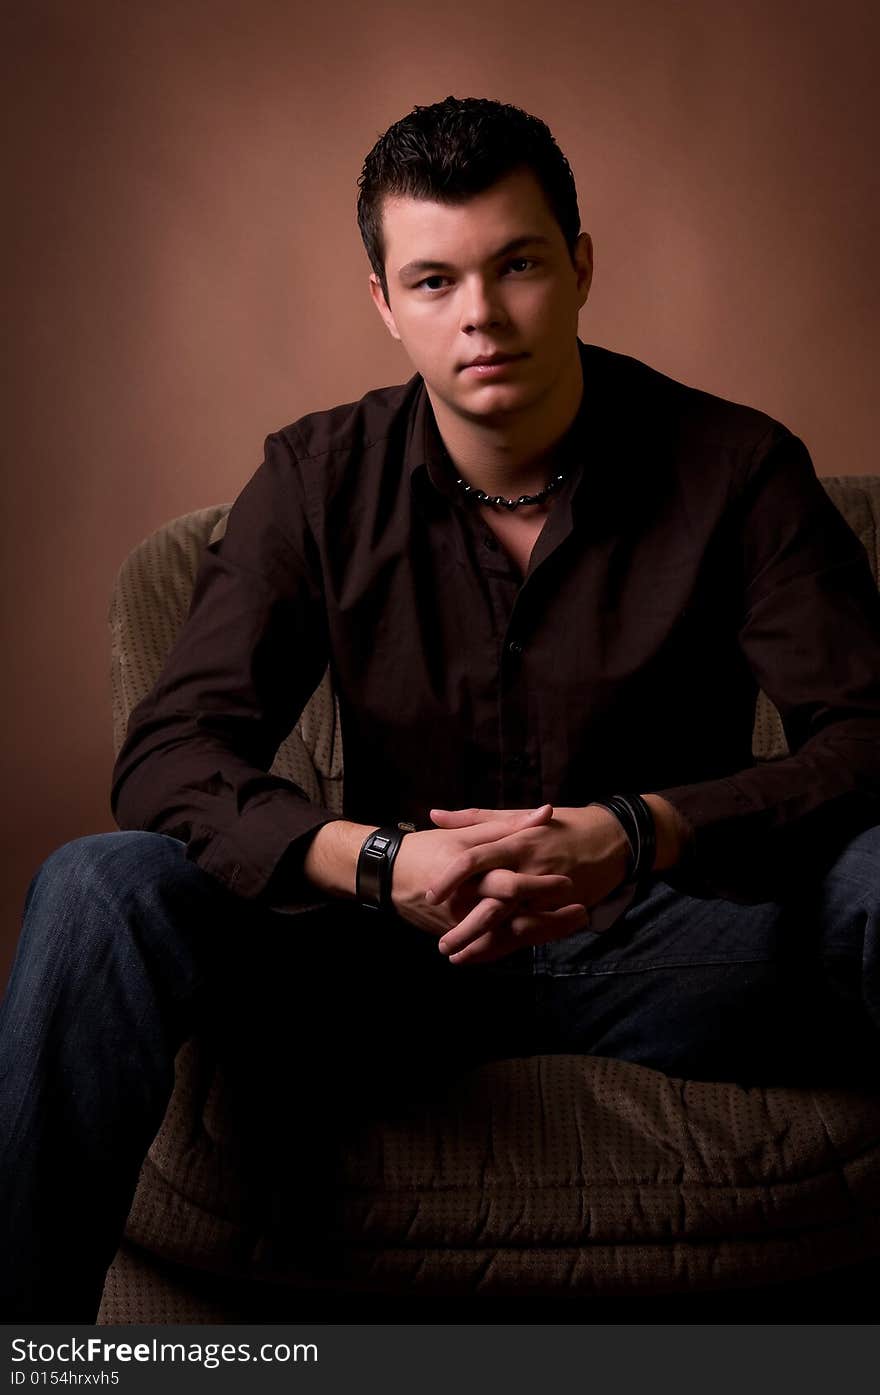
point(485, 914)
point(539, 889)
point(543, 891)
point(459, 818)
point(549, 925)
point(468, 818)
point(484, 857)
point(495, 944)
point(546, 924)
point(511, 935)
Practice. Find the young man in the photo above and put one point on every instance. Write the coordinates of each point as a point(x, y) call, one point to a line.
point(548, 582)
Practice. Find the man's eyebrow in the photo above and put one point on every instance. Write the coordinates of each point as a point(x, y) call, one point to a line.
point(516, 244)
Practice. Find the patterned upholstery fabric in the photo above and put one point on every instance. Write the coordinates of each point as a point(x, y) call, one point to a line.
point(149, 605)
point(542, 1176)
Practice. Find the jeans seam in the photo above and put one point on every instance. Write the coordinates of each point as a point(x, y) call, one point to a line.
point(651, 968)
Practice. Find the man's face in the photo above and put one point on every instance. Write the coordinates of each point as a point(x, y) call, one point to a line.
point(489, 277)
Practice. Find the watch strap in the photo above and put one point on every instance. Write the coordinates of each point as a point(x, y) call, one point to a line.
point(375, 863)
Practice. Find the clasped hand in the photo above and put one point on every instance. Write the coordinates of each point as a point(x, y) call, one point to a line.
point(490, 881)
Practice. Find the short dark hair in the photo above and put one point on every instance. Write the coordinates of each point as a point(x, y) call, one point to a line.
point(455, 149)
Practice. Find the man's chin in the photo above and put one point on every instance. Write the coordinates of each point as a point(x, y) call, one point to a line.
point(493, 406)
point(494, 402)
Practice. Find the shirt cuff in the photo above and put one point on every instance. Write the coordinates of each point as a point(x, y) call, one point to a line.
point(726, 853)
point(268, 867)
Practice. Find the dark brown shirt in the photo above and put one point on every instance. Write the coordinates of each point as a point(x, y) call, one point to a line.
point(691, 556)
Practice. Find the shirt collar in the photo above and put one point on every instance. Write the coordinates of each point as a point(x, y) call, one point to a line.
point(430, 466)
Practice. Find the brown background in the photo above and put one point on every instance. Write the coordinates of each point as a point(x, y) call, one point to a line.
point(186, 273)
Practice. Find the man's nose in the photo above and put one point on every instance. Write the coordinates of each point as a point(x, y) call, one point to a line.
point(482, 308)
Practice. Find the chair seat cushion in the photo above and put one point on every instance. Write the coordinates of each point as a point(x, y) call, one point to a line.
point(544, 1174)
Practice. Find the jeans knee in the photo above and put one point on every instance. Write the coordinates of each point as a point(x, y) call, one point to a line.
point(76, 923)
point(851, 885)
point(83, 887)
point(859, 859)
point(102, 863)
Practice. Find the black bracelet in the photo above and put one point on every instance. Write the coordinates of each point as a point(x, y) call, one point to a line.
point(374, 865)
point(635, 816)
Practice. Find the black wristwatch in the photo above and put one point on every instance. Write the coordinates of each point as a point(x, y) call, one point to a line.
point(374, 864)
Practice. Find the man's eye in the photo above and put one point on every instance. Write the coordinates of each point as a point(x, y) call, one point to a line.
point(432, 283)
point(520, 264)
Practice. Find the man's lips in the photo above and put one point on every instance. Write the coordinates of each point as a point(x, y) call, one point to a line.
point(488, 361)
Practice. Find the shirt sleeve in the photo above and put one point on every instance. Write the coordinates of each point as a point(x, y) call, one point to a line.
point(810, 632)
point(251, 652)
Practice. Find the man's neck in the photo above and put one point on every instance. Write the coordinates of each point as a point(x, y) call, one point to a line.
point(511, 454)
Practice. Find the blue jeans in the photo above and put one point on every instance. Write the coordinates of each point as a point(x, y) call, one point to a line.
point(127, 949)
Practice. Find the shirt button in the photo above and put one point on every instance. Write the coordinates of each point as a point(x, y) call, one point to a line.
point(514, 648)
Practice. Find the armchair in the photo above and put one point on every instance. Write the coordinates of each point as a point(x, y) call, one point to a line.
point(550, 1188)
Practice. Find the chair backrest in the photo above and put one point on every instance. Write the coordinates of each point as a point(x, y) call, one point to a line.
point(857, 497)
point(149, 603)
point(151, 599)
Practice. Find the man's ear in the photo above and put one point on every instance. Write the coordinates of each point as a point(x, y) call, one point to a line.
point(583, 265)
point(382, 306)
